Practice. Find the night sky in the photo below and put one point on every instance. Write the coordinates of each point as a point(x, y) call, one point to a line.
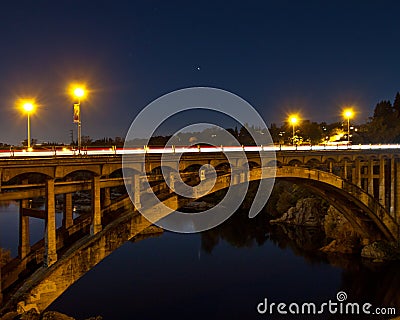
point(308, 56)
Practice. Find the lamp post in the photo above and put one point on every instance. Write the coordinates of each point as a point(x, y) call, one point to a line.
point(28, 108)
point(293, 120)
point(348, 113)
point(78, 93)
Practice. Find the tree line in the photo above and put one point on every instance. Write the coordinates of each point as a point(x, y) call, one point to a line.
point(382, 127)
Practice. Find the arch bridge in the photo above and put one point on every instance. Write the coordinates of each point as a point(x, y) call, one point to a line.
point(363, 184)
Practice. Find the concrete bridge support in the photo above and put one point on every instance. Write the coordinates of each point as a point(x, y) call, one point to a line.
point(397, 194)
point(136, 191)
point(244, 176)
point(392, 185)
point(107, 197)
point(236, 177)
point(68, 220)
point(382, 191)
point(357, 173)
point(50, 255)
point(24, 246)
point(96, 206)
point(371, 177)
point(172, 182)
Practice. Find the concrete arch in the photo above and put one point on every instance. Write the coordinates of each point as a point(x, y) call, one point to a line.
point(158, 171)
point(223, 168)
point(372, 157)
point(313, 162)
point(31, 177)
point(331, 185)
point(293, 159)
point(295, 162)
point(328, 160)
point(68, 171)
point(194, 167)
point(359, 158)
point(7, 174)
point(254, 164)
point(125, 171)
point(274, 163)
point(346, 158)
point(109, 169)
point(361, 209)
point(84, 173)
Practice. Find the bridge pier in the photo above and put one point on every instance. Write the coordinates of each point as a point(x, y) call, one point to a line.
point(370, 177)
point(392, 185)
point(24, 246)
point(235, 177)
point(96, 206)
point(382, 191)
point(68, 220)
point(397, 194)
point(244, 176)
point(50, 239)
point(172, 182)
point(135, 185)
point(357, 174)
point(107, 197)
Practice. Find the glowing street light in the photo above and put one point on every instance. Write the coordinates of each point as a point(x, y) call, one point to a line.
point(78, 93)
point(293, 120)
point(28, 108)
point(348, 114)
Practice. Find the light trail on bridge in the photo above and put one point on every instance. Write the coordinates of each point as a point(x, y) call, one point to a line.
point(154, 150)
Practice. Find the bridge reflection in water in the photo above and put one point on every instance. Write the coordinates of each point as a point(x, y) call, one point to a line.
point(223, 272)
point(363, 185)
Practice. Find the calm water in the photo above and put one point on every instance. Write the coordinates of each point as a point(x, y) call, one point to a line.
point(220, 274)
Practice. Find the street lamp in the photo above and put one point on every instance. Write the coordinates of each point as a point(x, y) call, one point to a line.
point(348, 113)
point(293, 120)
point(78, 93)
point(28, 108)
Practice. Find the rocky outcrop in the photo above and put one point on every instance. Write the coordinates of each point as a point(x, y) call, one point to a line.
point(336, 225)
point(307, 212)
point(381, 251)
point(53, 315)
point(338, 228)
point(310, 213)
point(342, 246)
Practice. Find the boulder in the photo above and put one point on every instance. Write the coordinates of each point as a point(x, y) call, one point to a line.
point(381, 250)
point(54, 315)
point(340, 246)
point(307, 212)
point(336, 225)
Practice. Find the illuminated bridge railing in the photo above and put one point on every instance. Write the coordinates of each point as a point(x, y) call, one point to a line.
point(122, 151)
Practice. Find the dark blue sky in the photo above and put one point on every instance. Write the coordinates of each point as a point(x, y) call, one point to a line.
point(311, 56)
